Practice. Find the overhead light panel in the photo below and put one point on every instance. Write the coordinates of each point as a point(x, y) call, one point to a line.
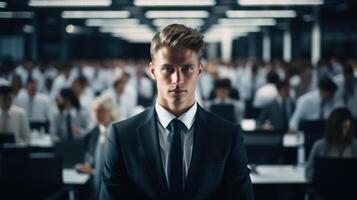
point(177, 14)
point(16, 14)
point(139, 29)
point(95, 14)
point(174, 3)
point(261, 13)
point(187, 22)
point(279, 2)
point(3, 4)
point(111, 22)
point(69, 3)
point(248, 22)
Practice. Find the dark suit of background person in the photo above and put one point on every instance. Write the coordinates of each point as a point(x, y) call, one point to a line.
point(141, 161)
point(273, 115)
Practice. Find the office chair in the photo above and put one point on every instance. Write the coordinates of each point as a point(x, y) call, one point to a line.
point(313, 130)
point(335, 178)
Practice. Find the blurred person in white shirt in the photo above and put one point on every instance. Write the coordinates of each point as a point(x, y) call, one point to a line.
point(13, 119)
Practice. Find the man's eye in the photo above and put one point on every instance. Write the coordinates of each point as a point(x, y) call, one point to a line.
point(167, 69)
point(187, 68)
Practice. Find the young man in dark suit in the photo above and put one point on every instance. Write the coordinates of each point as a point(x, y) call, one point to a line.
point(176, 149)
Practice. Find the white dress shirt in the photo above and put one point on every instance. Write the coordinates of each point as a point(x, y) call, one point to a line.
point(164, 118)
point(15, 121)
point(126, 102)
point(265, 95)
point(38, 108)
point(308, 108)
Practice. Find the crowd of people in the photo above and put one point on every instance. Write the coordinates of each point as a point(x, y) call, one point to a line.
point(82, 98)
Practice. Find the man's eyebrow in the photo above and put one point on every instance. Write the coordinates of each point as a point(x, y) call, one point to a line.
point(166, 65)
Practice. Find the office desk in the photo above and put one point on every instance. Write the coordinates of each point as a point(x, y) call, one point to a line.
point(279, 174)
point(40, 140)
point(73, 179)
point(279, 182)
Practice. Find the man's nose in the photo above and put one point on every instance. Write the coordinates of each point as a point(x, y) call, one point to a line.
point(176, 76)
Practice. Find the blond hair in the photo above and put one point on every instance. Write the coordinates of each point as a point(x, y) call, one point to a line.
point(109, 104)
point(178, 36)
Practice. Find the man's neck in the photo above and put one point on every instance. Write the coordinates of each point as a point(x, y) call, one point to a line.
point(177, 110)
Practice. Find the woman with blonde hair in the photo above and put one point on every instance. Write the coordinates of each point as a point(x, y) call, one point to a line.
point(104, 111)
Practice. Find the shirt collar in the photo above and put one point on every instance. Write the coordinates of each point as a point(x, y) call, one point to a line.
point(165, 117)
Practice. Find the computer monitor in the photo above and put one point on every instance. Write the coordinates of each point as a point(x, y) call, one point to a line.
point(40, 126)
point(72, 152)
point(334, 177)
point(313, 130)
point(264, 148)
point(7, 137)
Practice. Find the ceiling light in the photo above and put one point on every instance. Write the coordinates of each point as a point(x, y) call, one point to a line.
point(177, 14)
point(248, 22)
point(2, 4)
point(71, 3)
point(95, 14)
point(175, 3)
point(111, 22)
point(278, 2)
point(261, 13)
point(187, 22)
point(16, 14)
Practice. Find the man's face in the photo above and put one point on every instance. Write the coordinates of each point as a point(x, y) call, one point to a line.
point(326, 95)
point(176, 72)
point(284, 92)
point(32, 88)
point(5, 102)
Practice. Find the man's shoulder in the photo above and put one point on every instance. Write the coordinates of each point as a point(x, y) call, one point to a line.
point(213, 120)
point(132, 123)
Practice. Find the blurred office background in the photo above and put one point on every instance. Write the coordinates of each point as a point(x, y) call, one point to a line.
point(279, 68)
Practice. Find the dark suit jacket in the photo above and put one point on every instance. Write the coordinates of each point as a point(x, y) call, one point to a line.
point(91, 144)
point(133, 168)
point(273, 113)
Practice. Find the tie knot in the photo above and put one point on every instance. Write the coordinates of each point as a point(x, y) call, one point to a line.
point(175, 126)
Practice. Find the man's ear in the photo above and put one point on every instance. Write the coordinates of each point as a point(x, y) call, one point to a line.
point(200, 69)
point(152, 70)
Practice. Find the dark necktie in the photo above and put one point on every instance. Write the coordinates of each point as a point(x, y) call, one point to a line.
point(176, 173)
point(69, 126)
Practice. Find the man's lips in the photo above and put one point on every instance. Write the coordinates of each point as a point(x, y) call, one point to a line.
point(177, 91)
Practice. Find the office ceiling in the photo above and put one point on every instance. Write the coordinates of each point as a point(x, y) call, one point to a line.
point(129, 20)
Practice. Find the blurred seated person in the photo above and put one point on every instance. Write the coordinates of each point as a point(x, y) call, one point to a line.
point(232, 93)
point(347, 88)
point(121, 95)
point(222, 88)
point(276, 115)
point(105, 112)
point(71, 121)
point(82, 91)
point(12, 118)
point(268, 92)
point(339, 141)
point(316, 105)
point(36, 105)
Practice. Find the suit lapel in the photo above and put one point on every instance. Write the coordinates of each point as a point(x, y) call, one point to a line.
point(147, 134)
point(199, 150)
